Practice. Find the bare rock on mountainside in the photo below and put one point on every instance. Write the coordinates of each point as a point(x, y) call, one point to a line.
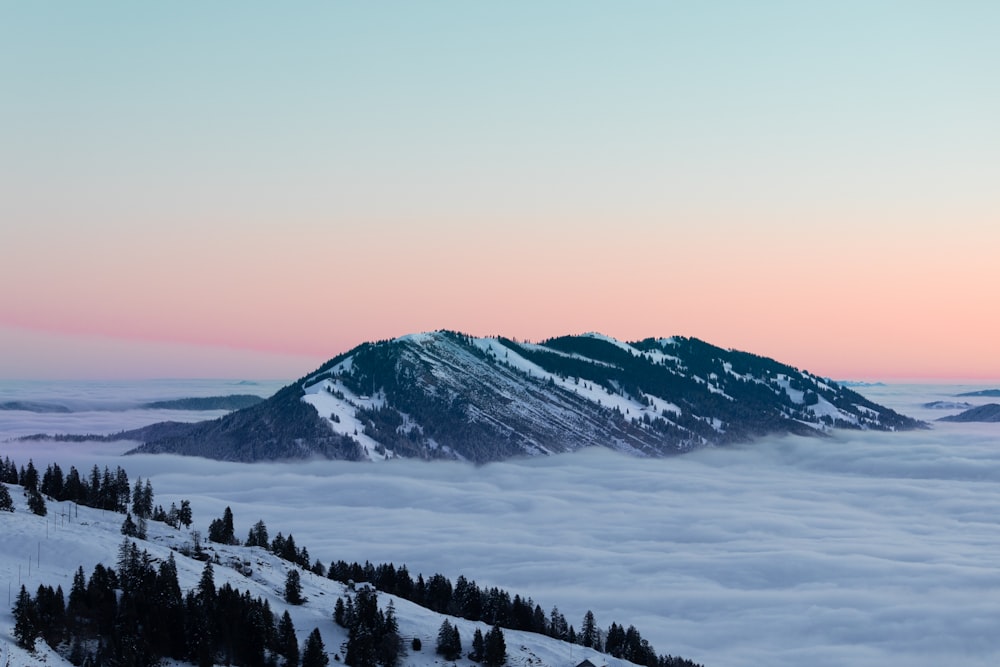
point(452, 396)
point(983, 413)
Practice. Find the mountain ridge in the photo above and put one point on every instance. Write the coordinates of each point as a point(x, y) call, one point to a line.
point(446, 394)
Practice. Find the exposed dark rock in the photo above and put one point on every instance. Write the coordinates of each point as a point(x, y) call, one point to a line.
point(448, 395)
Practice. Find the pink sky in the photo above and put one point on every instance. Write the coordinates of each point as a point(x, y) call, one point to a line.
point(792, 182)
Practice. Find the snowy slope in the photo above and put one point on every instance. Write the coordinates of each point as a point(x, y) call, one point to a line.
point(449, 395)
point(48, 550)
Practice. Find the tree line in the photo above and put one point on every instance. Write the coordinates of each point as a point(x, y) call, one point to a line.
point(493, 606)
point(105, 490)
point(137, 615)
point(465, 599)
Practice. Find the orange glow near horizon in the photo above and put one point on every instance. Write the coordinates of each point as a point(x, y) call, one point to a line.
point(732, 172)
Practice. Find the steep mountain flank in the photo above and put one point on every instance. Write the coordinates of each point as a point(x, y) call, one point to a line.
point(449, 395)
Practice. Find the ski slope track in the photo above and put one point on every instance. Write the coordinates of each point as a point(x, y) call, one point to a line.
point(449, 395)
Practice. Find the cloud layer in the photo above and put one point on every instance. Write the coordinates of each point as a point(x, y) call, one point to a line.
point(862, 549)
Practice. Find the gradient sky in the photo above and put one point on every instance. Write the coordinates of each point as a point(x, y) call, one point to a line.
point(236, 189)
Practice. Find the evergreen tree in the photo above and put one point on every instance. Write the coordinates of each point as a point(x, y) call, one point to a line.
point(142, 499)
point(288, 644)
point(557, 624)
point(367, 639)
point(147, 498)
point(129, 529)
point(338, 612)
point(173, 516)
point(390, 645)
point(494, 648)
point(137, 497)
point(74, 489)
point(25, 620)
point(478, 646)
point(169, 604)
point(258, 536)
point(184, 513)
point(614, 644)
point(29, 478)
point(588, 631)
point(449, 645)
point(221, 530)
point(36, 503)
point(206, 587)
point(77, 606)
point(52, 482)
point(6, 502)
point(120, 491)
point(293, 587)
point(8, 471)
point(314, 652)
point(50, 610)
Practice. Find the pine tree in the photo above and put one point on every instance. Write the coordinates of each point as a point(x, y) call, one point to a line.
point(25, 620)
point(29, 480)
point(390, 645)
point(6, 502)
point(314, 653)
point(449, 645)
point(147, 498)
point(184, 513)
point(258, 535)
point(129, 529)
point(293, 587)
point(288, 644)
point(557, 624)
point(206, 587)
point(76, 606)
point(588, 632)
point(137, 497)
point(494, 648)
point(338, 612)
point(478, 646)
point(36, 503)
point(221, 530)
point(169, 603)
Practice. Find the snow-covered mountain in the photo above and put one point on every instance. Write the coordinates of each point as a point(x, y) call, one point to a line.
point(47, 551)
point(450, 395)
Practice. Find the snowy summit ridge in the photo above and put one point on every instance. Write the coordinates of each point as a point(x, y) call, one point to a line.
point(449, 395)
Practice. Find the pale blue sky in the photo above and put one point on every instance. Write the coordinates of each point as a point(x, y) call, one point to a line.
point(249, 150)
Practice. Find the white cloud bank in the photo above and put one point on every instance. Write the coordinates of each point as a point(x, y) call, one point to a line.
point(863, 549)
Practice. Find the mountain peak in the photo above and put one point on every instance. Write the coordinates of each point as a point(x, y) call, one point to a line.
point(446, 394)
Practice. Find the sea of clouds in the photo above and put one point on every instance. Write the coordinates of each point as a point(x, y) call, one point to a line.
point(860, 549)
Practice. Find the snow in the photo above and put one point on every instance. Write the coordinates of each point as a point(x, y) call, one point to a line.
point(862, 549)
point(661, 358)
point(48, 550)
point(795, 395)
point(321, 396)
point(631, 408)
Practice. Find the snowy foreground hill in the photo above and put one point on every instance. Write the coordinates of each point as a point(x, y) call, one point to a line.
point(48, 550)
point(449, 395)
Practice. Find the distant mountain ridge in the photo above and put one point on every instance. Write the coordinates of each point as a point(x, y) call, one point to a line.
point(982, 413)
point(449, 395)
point(190, 403)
